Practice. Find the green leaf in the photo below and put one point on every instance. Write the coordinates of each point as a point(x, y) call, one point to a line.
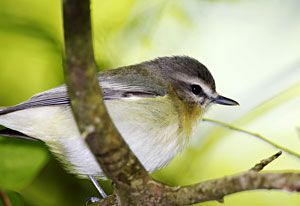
point(15, 198)
point(53, 186)
point(20, 162)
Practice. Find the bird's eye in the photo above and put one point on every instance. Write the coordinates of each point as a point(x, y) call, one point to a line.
point(196, 89)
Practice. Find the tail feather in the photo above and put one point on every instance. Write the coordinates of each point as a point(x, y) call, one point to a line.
point(15, 134)
point(4, 110)
point(6, 132)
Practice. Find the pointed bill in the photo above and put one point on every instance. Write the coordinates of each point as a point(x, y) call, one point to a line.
point(225, 101)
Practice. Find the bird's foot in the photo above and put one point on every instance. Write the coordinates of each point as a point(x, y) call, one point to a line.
point(92, 200)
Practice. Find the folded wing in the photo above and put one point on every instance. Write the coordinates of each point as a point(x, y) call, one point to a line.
point(113, 87)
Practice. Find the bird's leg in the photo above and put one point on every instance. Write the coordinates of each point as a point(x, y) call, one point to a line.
point(100, 190)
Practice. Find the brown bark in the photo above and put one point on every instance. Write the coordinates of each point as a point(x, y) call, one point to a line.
point(4, 198)
point(112, 153)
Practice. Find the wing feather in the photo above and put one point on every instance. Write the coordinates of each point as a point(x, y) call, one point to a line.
point(113, 87)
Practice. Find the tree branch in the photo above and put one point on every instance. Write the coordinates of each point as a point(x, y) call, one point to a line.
point(260, 166)
point(112, 153)
point(219, 188)
point(251, 180)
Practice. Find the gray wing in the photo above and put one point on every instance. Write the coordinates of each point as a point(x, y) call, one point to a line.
point(113, 87)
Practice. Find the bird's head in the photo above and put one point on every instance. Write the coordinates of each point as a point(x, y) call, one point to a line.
point(192, 81)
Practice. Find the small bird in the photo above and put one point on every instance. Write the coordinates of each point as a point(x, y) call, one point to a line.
point(155, 105)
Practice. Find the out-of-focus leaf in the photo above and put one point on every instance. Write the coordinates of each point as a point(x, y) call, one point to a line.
point(141, 17)
point(298, 132)
point(180, 14)
point(20, 162)
point(31, 65)
point(29, 27)
point(44, 13)
point(54, 186)
point(109, 17)
point(26, 69)
point(15, 198)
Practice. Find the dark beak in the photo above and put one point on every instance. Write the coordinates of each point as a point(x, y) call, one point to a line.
point(224, 101)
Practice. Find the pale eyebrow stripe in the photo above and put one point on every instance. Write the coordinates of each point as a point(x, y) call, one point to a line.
point(192, 80)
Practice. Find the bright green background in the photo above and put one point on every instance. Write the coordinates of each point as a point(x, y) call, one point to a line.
point(251, 47)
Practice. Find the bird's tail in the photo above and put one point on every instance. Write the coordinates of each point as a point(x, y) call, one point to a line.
point(2, 109)
point(6, 132)
point(15, 134)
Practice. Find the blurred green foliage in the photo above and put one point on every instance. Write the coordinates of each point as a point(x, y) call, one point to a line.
point(20, 155)
point(250, 46)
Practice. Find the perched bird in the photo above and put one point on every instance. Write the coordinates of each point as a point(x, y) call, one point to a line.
point(155, 105)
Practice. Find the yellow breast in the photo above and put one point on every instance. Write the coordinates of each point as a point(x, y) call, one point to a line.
point(188, 115)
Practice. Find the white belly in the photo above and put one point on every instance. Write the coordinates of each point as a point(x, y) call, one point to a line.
point(151, 130)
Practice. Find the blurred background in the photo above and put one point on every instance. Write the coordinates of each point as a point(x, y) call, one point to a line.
point(251, 47)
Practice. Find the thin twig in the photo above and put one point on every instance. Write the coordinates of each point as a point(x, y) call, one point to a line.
point(4, 198)
point(259, 136)
point(260, 166)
